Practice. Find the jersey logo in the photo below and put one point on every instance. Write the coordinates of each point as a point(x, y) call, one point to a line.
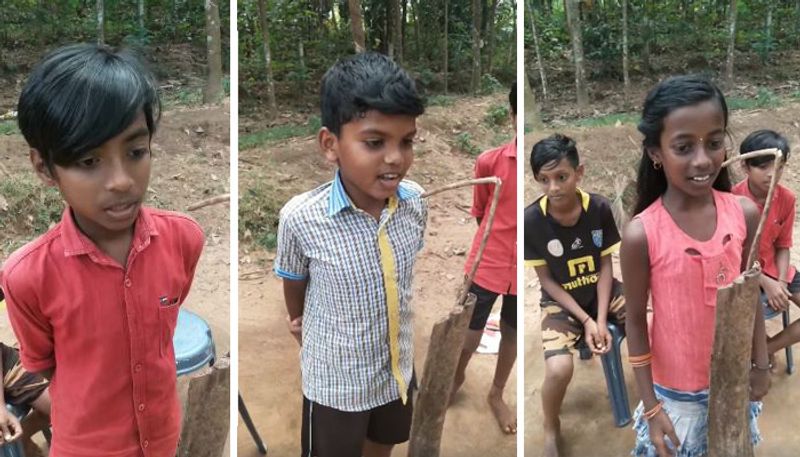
point(581, 266)
point(597, 238)
point(577, 244)
point(555, 248)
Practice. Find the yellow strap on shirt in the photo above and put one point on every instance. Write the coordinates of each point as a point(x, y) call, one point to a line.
point(392, 299)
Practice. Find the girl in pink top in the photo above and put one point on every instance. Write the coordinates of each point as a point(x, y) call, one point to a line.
point(689, 237)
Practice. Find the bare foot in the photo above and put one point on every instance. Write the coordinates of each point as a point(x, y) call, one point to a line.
point(550, 445)
point(457, 382)
point(504, 416)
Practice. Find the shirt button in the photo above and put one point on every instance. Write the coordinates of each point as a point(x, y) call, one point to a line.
point(141, 407)
point(138, 367)
point(145, 443)
point(127, 282)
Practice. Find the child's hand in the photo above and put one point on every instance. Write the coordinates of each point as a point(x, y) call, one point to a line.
point(9, 426)
point(296, 328)
point(759, 383)
point(660, 427)
point(777, 294)
point(598, 339)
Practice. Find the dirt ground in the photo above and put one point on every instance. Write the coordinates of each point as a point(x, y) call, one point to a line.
point(190, 163)
point(586, 420)
point(269, 373)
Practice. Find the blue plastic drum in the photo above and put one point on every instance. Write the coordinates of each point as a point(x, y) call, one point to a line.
point(193, 343)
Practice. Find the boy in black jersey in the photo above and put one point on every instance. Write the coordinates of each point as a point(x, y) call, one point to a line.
point(569, 238)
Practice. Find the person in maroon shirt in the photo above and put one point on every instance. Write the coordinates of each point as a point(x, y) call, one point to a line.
point(497, 271)
point(94, 301)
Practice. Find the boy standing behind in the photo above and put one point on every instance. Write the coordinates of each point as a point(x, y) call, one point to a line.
point(497, 272)
point(95, 300)
point(569, 238)
point(346, 253)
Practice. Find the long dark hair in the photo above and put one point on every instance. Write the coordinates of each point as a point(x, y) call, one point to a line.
point(669, 95)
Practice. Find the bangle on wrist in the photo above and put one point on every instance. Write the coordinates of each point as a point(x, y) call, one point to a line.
point(653, 411)
point(586, 319)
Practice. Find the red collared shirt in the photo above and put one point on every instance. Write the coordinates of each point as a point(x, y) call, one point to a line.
point(107, 331)
point(497, 270)
point(777, 229)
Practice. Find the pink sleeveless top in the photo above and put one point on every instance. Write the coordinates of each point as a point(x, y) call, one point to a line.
point(684, 287)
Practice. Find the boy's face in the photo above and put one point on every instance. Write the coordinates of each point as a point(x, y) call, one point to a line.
point(760, 176)
point(373, 153)
point(559, 181)
point(106, 186)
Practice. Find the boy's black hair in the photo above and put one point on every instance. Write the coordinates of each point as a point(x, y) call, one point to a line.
point(667, 96)
point(764, 139)
point(80, 96)
point(554, 148)
point(363, 82)
point(512, 98)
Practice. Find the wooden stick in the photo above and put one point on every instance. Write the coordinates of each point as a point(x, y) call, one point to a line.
point(462, 292)
point(773, 183)
point(444, 350)
point(224, 198)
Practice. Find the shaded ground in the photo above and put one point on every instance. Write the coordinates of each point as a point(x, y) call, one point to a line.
point(269, 374)
point(190, 163)
point(586, 420)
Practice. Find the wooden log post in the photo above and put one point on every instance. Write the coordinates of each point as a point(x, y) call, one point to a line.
point(729, 394)
point(447, 339)
point(206, 412)
point(444, 348)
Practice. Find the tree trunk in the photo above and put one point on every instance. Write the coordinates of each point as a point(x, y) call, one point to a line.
point(445, 61)
point(213, 90)
point(490, 27)
point(395, 35)
point(418, 41)
point(574, 22)
point(539, 63)
point(475, 81)
point(531, 107)
point(625, 76)
point(101, 23)
point(648, 36)
point(731, 41)
point(768, 34)
point(357, 25)
point(262, 15)
point(141, 16)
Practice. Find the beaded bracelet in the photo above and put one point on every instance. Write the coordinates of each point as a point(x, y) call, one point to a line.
point(652, 413)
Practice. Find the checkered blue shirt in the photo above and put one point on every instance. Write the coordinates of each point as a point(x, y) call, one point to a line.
point(345, 358)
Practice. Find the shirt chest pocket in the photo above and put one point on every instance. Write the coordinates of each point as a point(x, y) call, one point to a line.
point(167, 321)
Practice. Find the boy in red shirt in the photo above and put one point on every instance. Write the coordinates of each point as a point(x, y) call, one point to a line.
point(779, 282)
point(497, 271)
point(94, 301)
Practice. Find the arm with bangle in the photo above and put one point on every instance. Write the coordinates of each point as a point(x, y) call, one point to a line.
point(635, 265)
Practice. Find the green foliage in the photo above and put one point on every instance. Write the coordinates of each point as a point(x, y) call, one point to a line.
point(280, 132)
point(8, 127)
point(441, 100)
point(464, 143)
point(323, 29)
point(609, 119)
point(27, 206)
point(258, 214)
point(497, 115)
point(490, 84)
point(765, 98)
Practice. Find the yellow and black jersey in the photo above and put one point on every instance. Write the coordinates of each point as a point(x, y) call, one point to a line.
point(572, 253)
